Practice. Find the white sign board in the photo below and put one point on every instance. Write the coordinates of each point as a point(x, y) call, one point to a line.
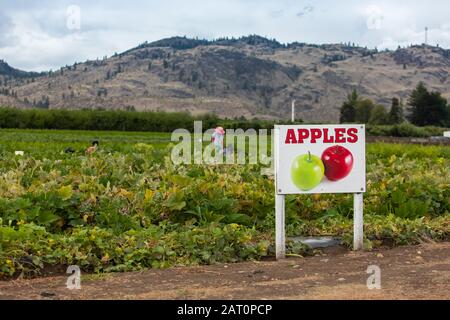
point(320, 159)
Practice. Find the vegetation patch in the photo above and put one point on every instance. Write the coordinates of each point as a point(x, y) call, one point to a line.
point(127, 207)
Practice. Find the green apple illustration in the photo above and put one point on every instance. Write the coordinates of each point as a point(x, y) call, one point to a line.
point(307, 171)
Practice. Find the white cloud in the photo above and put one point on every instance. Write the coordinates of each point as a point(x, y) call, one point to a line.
point(34, 35)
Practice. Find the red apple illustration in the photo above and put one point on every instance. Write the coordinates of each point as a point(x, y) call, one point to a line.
point(338, 162)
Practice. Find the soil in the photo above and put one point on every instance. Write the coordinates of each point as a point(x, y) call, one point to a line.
point(408, 272)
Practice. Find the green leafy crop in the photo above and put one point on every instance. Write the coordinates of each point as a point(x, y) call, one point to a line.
point(128, 207)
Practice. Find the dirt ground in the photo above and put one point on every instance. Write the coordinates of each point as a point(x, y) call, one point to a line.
point(410, 272)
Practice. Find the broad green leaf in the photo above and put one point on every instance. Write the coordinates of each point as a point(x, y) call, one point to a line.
point(65, 192)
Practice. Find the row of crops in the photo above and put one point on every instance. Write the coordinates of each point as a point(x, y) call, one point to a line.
point(128, 206)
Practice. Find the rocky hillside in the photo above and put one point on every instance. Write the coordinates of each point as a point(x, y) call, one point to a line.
point(251, 76)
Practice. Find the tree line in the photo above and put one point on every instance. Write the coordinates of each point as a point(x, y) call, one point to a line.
point(425, 108)
point(118, 120)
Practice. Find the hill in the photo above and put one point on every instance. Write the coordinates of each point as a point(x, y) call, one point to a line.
point(250, 76)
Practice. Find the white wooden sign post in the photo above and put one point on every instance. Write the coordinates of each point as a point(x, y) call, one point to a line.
point(319, 159)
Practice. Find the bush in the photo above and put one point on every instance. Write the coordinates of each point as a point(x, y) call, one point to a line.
point(404, 130)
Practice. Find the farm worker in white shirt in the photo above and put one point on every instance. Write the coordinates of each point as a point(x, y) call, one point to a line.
point(217, 139)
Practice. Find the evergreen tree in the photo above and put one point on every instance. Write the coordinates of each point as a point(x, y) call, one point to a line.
point(348, 109)
point(396, 113)
point(427, 108)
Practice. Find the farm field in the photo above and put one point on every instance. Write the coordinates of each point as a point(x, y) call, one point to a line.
point(127, 207)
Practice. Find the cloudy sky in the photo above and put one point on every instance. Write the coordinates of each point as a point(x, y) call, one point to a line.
point(46, 34)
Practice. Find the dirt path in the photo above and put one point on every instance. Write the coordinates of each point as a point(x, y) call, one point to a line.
point(411, 272)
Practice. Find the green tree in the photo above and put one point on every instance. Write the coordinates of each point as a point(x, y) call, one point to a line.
point(427, 108)
point(396, 113)
point(378, 115)
point(364, 109)
point(348, 109)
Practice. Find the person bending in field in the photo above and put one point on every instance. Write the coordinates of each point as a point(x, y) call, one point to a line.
point(217, 139)
point(92, 148)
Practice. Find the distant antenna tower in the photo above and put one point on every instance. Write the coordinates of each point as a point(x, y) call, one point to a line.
point(426, 35)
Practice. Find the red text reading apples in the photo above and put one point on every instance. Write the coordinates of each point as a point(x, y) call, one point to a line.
point(338, 135)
